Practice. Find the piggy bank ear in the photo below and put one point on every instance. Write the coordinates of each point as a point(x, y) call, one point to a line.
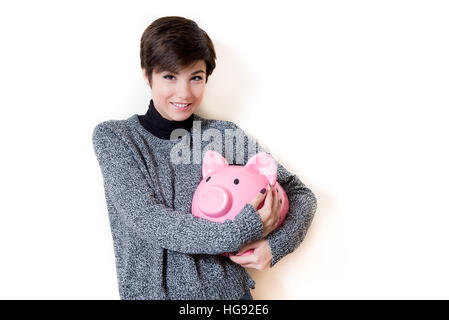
point(265, 165)
point(212, 161)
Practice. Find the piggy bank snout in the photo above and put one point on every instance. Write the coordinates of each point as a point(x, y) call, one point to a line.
point(214, 201)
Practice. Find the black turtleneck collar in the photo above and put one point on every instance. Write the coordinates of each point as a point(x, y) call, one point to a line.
point(162, 128)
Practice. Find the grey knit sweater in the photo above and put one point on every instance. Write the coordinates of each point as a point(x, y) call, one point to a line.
point(162, 251)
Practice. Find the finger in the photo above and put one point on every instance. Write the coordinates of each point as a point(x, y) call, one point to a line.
point(260, 196)
point(273, 197)
point(276, 216)
point(246, 248)
point(278, 211)
point(277, 221)
point(278, 198)
point(281, 195)
point(276, 195)
point(249, 265)
point(269, 198)
point(278, 204)
point(242, 259)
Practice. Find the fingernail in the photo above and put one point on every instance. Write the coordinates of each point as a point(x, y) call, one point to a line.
point(263, 191)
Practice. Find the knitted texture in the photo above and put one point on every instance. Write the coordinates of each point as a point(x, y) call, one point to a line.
point(161, 250)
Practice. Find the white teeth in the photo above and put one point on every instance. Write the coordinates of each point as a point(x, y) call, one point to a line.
point(181, 105)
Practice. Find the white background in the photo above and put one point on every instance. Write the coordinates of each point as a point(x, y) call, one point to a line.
point(351, 96)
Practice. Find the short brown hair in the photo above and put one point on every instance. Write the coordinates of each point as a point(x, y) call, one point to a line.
point(172, 43)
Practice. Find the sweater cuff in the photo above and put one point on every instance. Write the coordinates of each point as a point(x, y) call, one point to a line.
point(250, 225)
point(278, 248)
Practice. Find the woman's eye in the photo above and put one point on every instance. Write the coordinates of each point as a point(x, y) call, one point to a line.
point(170, 77)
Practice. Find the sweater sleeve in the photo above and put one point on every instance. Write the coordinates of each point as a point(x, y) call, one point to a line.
point(134, 201)
point(302, 208)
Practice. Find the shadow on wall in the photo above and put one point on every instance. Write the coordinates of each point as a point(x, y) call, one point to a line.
point(320, 258)
point(302, 265)
point(227, 87)
point(288, 279)
point(226, 93)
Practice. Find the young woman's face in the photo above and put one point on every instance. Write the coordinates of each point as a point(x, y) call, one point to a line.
point(171, 92)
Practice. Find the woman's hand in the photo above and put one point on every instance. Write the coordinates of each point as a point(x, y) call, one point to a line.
point(270, 212)
point(260, 259)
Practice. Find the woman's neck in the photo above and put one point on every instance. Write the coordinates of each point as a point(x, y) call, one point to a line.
point(162, 128)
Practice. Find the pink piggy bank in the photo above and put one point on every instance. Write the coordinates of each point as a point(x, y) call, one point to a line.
point(225, 189)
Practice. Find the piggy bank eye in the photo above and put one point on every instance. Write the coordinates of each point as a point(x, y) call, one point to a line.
point(236, 181)
point(207, 179)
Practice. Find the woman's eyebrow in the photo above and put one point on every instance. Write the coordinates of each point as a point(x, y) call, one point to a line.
point(198, 71)
point(193, 73)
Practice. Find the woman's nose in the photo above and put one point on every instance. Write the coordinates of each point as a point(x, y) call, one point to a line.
point(183, 90)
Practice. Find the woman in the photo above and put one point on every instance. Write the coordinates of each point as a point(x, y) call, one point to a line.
point(162, 251)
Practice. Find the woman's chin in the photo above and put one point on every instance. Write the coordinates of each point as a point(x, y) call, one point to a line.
point(181, 117)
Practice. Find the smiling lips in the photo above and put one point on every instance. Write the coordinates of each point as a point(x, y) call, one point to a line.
point(181, 105)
